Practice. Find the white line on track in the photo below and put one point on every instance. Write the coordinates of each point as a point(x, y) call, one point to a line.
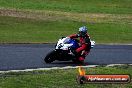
point(52, 68)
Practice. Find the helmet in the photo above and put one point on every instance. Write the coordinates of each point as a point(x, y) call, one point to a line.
point(82, 31)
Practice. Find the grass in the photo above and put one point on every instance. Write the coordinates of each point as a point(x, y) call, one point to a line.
point(25, 30)
point(41, 21)
point(60, 78)
point(44, 21)
point(81, 6)
point(17, 30)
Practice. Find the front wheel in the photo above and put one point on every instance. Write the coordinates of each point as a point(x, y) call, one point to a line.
point(50, 57)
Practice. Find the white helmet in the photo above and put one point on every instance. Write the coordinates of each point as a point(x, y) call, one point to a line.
point(83, 30)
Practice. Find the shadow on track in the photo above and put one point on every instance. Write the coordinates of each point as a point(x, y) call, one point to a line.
point(70, 63)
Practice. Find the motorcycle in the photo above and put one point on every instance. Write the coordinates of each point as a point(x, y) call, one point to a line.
point(64, 50)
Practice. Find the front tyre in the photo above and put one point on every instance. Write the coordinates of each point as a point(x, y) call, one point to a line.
point(50, 57)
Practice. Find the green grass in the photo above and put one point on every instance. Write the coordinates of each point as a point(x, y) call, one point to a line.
point(24, 30)
point(44, 21)
point(60, 78)
point(18, 30)
point(85, 6)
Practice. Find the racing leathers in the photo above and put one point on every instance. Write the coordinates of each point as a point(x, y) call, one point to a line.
point(85, 45)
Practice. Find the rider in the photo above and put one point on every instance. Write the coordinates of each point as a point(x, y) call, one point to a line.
point(84, 41)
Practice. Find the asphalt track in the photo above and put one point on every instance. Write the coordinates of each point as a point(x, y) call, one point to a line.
point(30, 56)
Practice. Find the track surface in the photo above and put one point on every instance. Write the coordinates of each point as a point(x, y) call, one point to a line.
point(30, 56)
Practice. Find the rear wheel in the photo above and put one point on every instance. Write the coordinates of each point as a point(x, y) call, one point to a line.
point(50, 57)
point(78, 61)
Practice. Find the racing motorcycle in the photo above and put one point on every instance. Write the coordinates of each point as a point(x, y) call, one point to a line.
point(64, 50)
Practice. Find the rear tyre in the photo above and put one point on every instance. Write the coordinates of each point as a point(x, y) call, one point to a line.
point(81, 62)
point(50, 57)
point(78, 61)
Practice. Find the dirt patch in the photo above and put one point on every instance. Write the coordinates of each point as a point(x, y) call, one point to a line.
point(58, 15)
point(26, 14)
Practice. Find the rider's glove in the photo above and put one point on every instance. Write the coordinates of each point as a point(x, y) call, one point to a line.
point(74, 52)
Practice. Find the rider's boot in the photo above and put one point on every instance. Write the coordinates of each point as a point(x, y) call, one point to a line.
point(81, 58)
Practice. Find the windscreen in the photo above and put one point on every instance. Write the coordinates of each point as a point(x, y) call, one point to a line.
point(66, 41)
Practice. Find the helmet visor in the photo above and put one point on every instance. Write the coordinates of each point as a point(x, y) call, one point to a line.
point(82, 33)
